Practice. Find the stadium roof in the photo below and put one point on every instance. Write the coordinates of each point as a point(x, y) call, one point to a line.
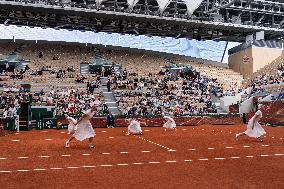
point(230, 20)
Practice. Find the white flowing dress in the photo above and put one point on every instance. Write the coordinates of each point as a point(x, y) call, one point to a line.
point(170, 124)
point(257, 131)
point(72, 125)
point(134, 127)
point(85, 129)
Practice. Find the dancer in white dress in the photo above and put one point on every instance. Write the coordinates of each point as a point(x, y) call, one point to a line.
point(254, 129)
point(72, 124)
point(170, 124)
point(134, 127)
point(85, 129)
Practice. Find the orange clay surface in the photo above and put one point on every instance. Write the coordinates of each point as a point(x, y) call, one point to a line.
point(191, 157)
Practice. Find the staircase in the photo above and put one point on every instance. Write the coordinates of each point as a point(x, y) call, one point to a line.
point(109, 97)
point(84, 68)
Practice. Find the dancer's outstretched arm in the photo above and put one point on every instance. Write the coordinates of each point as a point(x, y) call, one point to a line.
point(81, 118)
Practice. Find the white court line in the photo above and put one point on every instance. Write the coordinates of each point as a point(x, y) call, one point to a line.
point(39, 169)
point(106, 165)
point(186, 160)
point(211, 148)
point(86, 154)
point(110, 137)
point(22, 157)
point(48, 139)
point(124, 152)
point(145, 151)
point(15, 140)
point(106, 153)
point(246, 146)
point(125, 164)
point(228, 147)
point(44, 156)
point(44, 131)
point(88, 166)
point(265, 145)
point(154, 143)
point(65, 155)
point(62, 132)
point(184, 129)
point(264, 155)
point(146, 130)
point(249, 156)
point(278, 154)
point(103, 131)
point(171, 150)
point(3, 158)
point(193, 149)
point(170, 161)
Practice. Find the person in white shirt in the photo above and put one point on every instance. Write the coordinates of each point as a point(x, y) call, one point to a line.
point(134, 127)
point(84, 128)
point(254, 129)
point(170, 124)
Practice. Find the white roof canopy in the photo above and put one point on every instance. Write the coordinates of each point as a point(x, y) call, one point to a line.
point(191, 5)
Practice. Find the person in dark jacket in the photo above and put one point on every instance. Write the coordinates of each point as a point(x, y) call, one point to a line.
point(108, 85)
point(110, 120)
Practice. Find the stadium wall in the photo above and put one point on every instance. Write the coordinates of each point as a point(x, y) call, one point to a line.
point(250, 60)
point(110, 47)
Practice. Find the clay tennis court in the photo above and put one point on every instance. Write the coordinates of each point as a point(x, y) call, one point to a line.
point(191, 157)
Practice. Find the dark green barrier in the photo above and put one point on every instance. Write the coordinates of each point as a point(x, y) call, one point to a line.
point(9, 124)
point(38, 112)
point(49, 123)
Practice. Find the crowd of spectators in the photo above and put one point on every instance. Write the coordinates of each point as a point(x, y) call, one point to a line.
point(72, 101)
point(266, 79)
point(166, 92)
point(9, 104)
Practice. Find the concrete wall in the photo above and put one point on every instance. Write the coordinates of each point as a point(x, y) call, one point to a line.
point(236, 63)
point(264, 56)
point(258, 57)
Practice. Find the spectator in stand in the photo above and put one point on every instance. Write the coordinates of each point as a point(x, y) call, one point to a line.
point(108, 85)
